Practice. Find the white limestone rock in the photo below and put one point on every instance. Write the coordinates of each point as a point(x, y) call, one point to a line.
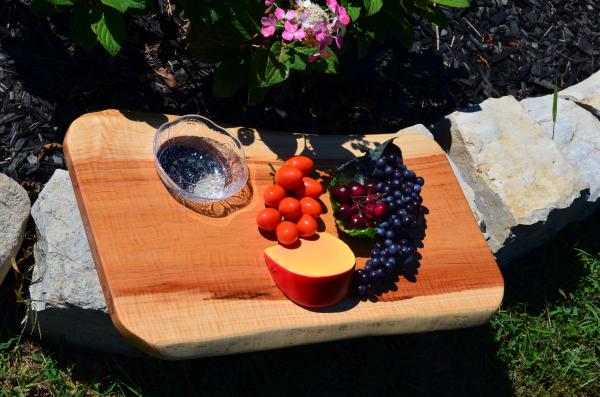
point(66, 297)
point(586, 92)
point(524, 188)
point(577, 135)
point(14, 213)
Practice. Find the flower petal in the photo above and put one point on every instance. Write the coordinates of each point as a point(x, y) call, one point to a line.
point(290, 27)
point(279, 13)
point(287, 36)
point(300, 34)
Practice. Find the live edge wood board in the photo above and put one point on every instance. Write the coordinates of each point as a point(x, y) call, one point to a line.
point(186, 282)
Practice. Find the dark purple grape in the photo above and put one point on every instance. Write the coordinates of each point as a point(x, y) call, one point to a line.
point(388, 242)
point(420, 181)
point(390, 234)
point(368, 267)
point(394, 249)
point(417, 188)
point(362, 289)
point(380, 163)
point(388, 170)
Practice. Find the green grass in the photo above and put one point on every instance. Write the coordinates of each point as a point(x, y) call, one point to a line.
point(544, 341)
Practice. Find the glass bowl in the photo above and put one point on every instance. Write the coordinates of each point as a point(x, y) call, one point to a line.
point(199, 161)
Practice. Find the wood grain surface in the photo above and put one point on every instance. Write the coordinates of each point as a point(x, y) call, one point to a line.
point(190, 281)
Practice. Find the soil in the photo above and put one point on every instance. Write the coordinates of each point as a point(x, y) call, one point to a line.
point(493, 48)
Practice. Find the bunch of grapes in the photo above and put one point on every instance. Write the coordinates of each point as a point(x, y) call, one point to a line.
point(360, 205)
point(398, 191)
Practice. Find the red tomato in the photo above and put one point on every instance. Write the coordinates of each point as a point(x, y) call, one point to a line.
point(273, 195)
point(310, 206)
point(287, 233)
point(288, 177)
point(307, 226)
point(268, 219)
point(290, 208)
point(303, 163)
point(309, 188)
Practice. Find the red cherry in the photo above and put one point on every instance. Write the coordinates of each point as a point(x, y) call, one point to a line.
point(380, 210)
point(357, 190)
point(344, 211)
point(341, 194)
point(357, 221)
point(371, 188)
point(369, 211)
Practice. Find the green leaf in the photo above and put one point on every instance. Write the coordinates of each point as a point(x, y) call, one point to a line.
point(297, 60)
point(269, 69)
point(110, 30)
point(61, 2)
point(229, 76)
point(554, 107)
point(80, 25)
point(123, 5)
point(353, 11)
point(326, 65)
point(452, 3)
point(245, 16)
point(42, 8)
point(373, 6)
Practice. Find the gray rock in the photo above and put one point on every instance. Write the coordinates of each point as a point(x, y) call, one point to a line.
point(586, 92)
point(66, 298)
point(577, 135)
point(14, 213)
point(522, 187)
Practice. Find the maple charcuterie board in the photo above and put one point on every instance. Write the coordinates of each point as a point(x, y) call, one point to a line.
point(184, 281)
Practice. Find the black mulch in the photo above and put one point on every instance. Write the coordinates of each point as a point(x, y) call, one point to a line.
point(494, 48)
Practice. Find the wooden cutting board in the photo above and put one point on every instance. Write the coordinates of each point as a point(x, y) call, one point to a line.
point(189, 282)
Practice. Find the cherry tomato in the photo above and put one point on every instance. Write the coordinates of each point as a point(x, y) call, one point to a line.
point(307, 226)
point(310, 206)
point(290, 208)
point(268, 219)
point(273, 195)
point(287, 233)
point(288, 177)
point(309, 188)
point(303, 163)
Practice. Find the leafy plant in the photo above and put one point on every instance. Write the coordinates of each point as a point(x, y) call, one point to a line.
point(554, 107)
point(95, 21)
point(241, 37)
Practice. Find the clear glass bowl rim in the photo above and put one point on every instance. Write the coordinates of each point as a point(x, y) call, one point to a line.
point(171, 185)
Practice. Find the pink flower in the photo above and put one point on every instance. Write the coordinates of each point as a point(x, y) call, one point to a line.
point(321, 31)
point(268, 25)
point(282, 14)
point(292, 32)
point(269, 4)
point(322, 51)
point(339, 39)
point(343, 18)
point(332, 4)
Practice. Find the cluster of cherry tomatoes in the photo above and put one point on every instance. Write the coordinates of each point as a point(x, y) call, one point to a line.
point(292, 202)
